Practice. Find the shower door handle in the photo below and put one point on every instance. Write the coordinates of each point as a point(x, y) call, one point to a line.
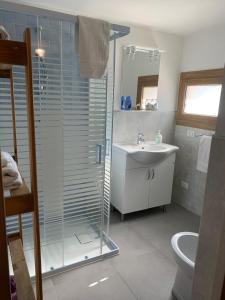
point(107, 147)
point(98, 154)
point(153, 174)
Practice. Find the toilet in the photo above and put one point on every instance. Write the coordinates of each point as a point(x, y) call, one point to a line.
point(184, 246)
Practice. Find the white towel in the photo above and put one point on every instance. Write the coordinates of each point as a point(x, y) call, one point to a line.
point(4, 35)
point(6, 158)
point(10, 173)
point(94, 36)
point(203, 153)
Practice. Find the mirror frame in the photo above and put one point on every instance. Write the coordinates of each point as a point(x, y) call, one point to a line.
point(145, 81)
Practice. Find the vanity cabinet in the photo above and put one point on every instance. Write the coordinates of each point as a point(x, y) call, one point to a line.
point(161, 182)
point(136, 187)
point(136, 190)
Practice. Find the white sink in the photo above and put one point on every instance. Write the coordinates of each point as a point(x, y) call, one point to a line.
point(148, 153)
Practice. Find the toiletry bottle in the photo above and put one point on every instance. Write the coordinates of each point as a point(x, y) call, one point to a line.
point(123, 100)
point(128, 103)
point(158, 137)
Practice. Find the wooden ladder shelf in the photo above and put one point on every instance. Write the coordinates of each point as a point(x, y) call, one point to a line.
point(21, 200)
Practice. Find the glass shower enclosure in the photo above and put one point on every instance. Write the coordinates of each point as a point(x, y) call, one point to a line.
point(73, 143)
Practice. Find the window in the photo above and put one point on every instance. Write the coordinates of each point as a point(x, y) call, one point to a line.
point(199, 98)
point(147, 89)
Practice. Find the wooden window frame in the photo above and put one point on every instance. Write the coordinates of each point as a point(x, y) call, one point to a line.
point(145, 81)
point(214, 76)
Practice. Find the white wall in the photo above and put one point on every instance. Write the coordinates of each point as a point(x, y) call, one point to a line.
point(202, 50)
point(128, 124)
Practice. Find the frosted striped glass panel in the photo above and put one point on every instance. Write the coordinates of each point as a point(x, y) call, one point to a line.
point(73, 121)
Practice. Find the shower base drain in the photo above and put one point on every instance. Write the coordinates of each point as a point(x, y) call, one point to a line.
point(84, 238)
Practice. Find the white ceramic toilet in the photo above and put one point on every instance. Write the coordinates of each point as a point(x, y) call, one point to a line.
point(185, 248)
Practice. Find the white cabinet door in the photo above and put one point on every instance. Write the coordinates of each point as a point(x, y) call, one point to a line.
point(136, 190)
point(161, 183)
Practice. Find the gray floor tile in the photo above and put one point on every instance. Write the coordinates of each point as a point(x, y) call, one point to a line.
point(130, 242)
point(158, 228)
point(150, 277)
point(49, 291)
point(50, 295)
point(144, 269)
point(96, 281)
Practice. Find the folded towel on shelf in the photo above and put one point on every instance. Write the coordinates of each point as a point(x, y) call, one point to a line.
point(203, 153)
point(11, 182)
point(10, 173)
point(6, 158)
point(4, 35)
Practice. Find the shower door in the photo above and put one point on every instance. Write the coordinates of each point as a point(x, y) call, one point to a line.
point(73, 143)
point(73, 130)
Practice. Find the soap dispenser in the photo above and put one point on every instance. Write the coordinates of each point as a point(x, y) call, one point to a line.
point(158, 137)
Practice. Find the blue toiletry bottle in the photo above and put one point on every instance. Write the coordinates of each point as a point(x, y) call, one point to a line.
point(128, 103)
point(123, 101)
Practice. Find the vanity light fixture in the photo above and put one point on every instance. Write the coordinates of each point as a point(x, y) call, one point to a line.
point(157, 54)
point(151, 55)
point(131, 51)
point(154, 54)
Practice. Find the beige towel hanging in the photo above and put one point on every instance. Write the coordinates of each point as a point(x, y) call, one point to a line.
point(94, 36)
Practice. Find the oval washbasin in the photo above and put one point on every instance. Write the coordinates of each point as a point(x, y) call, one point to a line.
point(151, 154)
point(145, 157)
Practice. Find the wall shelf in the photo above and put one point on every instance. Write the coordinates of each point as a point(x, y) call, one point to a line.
point(135, 111)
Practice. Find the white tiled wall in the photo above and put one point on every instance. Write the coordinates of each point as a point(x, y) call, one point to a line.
point(191, 197)
point(127, 125)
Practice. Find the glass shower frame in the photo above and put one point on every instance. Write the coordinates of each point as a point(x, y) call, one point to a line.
point(40, 82)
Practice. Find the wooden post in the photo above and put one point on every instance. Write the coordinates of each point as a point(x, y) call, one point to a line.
point(19, 53)
point(33, 170)
point(223, 291)
point(15, 138)
point(4, 264)
point(13, 115)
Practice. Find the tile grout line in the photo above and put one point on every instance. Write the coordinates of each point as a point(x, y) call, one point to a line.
point(125, 282)
point(154, 246)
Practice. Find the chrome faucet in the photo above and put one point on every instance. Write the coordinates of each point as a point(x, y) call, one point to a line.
point(140, 138)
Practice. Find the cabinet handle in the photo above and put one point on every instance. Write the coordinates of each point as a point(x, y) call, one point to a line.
point(148, 175)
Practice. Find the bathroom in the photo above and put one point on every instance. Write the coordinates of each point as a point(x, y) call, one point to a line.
point(123, 182)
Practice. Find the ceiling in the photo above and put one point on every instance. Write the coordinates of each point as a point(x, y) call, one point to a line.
point(175, 16)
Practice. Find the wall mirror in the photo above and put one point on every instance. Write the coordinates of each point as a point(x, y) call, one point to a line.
point(140, 74)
